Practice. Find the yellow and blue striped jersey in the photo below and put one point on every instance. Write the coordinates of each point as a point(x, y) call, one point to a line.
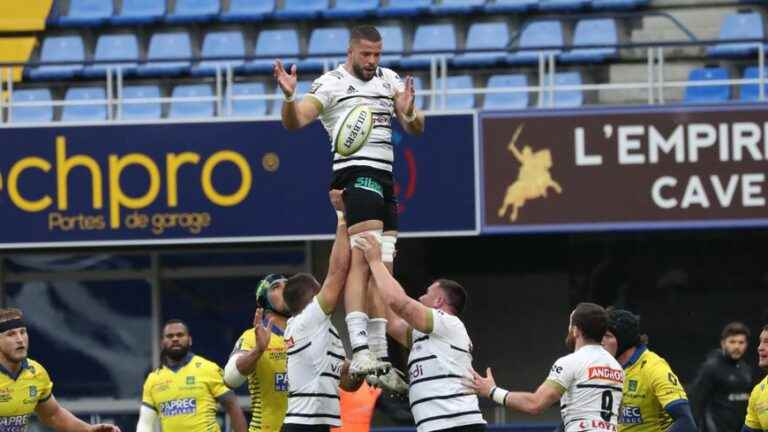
point(185, 398)
point(757, 409)
point(20, 394)
point(650, 386)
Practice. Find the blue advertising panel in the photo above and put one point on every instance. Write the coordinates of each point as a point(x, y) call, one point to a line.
point(214, 182)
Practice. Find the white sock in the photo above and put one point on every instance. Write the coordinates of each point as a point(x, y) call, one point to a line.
point(377, 338)
point(357, 324)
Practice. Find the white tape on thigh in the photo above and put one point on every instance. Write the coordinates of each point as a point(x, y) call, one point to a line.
point(353, 239)
point(388, 248)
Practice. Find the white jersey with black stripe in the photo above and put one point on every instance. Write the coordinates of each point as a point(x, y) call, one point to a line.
point(315, 357)
point(339, 91)
point(593, 381)
point(437, 364)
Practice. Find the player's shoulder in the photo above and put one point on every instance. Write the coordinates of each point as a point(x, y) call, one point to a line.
point(330, 78)
point(202, 364)
point(760, 388)
point(387, 73)
point(37, 369)
point(248, 335)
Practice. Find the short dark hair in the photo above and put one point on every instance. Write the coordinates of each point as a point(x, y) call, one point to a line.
point(455, 294)
point(765, 328)
point(591, 319)
point(734, 329)
point(175, 321)
point(364, 32)
point(299, 290)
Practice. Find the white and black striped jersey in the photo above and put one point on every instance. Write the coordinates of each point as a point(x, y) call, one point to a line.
point(315, 357)
point(437, 364)
point(593, 381)
point(339, 91)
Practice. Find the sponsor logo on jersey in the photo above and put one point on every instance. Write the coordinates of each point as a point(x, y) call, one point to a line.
point(630, 415)
point(632, 385)
point(14, 423)
point(289, 343)
point(32, 391)
point(596, 424)
point(605, 373)
point(369, 184)
point(178, 407)
point(738, 397)
point(190, 380)
point(417, 371)
point(557, 369)
point(351, 89)
point(281, 382)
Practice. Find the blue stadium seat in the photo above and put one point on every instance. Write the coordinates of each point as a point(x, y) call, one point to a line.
point(144, 110)
point(404, 8)
point(484, 36)
point(191, 11)
point(751, 92)
point(510, 6)
point(568, 98)
point(279, 43)
point(512, 100)
point(747, 25)
point(302, 88)
point(121, 50)
point(537, 34)
point(430, 38)
point(351, 9)
point(601, 31)
point(301, 9)
point(329, 44)
point(59, 49)
point(249, 108)
point(86, 13)
point(191, 109)
point(709, 94)
point(457, 101)
point(394, 46)
point(171, 45)
point(140, 12)
point(31, 114)
point(248, 10)
point(85, 112)
point(618, 4)
point(450, 7)
point(562, 5)
point(220, 44)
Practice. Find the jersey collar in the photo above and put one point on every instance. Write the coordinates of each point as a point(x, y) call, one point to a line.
point(24, 365)
point(185, 361)
point(638, 352)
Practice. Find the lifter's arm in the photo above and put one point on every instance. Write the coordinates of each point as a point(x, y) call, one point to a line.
point(338, 266)
point(60, 419)
point(531, 403)
point(295, 114)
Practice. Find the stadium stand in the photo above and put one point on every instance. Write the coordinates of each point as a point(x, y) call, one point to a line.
point(92, 107)
point(28, 114)
point(144, 110)
point(120, 50)
point(708, 94)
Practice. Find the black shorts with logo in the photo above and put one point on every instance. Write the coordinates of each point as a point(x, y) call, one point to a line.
point(293, 427)
point(369, 194)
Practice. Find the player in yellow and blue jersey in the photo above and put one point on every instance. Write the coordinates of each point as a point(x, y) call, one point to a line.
point(183, 392)
point(653, 399)
point(26, 387)
point(757, 409)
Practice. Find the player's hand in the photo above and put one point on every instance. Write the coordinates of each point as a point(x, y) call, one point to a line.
point(286, 80)
point(404, 100)
point(337, 200)
point(263, 333)
point(104, 428)
point(370, 247)
point(480, 384)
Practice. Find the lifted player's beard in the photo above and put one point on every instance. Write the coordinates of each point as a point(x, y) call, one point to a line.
point(570, 341)
point(360, 72)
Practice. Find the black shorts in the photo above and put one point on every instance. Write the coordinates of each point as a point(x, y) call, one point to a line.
point(369, 194)
point(293, 427)
point(467, 428)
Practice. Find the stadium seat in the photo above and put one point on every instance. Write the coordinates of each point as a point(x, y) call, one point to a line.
point(429, 38)
point(537, 34)
point(191, 11)
point(29, 114)
point(86, 13)
point(484, 36)
point(748, 25)
point(751, 92)
point(419, 101)
point(562, 5)
point(301, 9)
point(450, 7)
point(144, 110)
point(249, 108)
point(302, 88)
point(404, 8)
point(351, 9)
point(121, 50)
point(600, 31)
point(85, 112)
point(510, 6)
point(568, 98)
point(272, 44)
point(248, 10)
point(457, 101)
point(220, 44)
point(325, 44)
point(168, 45)
point(59, 49)
point(191, 109)
point(140, 12)
point(708, 94)
point(394, 46)
point(618, 4)
point(512, 100)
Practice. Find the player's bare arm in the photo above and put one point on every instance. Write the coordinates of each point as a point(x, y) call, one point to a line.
point(411, 119)
point(411, 311)
point(338, 266)
point(228, 401)
point(531, 403)
point(59, 419)
point(295, 114)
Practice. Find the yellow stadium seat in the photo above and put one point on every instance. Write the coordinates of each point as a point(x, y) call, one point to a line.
point(27, 15)
point(15, 50)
